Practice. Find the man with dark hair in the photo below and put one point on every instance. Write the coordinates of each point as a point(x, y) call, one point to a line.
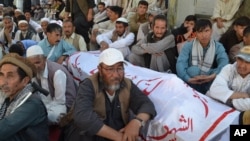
point(245, 42)
point(119, 38)
point(154, 51)
point(234, 35)
point(101, 14)
point(73, 38)
point(113, 12)
point(140, 17)
point(82, 14)
point(55, 48)
point(185, 32)
point(23, 116)
point(202, 59)
point(31, 22)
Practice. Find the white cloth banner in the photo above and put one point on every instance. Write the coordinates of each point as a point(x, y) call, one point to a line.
point(182, 113)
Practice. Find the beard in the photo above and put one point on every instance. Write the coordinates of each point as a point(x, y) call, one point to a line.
point(112, 87)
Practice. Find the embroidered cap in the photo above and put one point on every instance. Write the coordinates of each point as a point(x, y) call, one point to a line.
point(22, 21)
point(244, 53)
point(111, 56)
point(34, 50)
point(123, 20)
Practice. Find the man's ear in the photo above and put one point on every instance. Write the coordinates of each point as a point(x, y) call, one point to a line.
point(26, 80)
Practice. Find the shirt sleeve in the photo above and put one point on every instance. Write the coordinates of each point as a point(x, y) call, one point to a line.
point(140, 103)
point(82, 44)
point(58, 104)
point(123, 42)
point(241, 104)
point(219, 89)
point(183, 62)
point(91, 123)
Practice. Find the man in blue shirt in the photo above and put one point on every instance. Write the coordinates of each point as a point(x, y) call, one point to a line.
point(202, 59)
point(55, 48)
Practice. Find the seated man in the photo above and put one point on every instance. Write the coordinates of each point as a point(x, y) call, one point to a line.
point(113, 13)
point(73, 38)
point(235, 35)
point(7, 34)
point(55, 48)
point(202, 59)
point(101, 15)
point(155, 50)
point(119, 38)
point(236, 48)
point(56, 79)
point(231, 86)
point(103, 101)
point(44, 23)
point(185, 32)
point(24, 33)
point(23, 116)
point(139, 17)
point(146, 27)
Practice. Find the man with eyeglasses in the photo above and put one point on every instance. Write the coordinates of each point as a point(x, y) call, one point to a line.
point(103, 101)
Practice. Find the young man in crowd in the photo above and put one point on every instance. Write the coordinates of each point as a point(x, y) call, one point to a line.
point(202, 59)
point(120, 38)
point(55, 48)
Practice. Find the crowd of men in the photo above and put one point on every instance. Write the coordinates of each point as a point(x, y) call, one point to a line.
point(40, 100)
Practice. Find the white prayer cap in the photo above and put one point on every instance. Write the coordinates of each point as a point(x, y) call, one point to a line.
point(154, 11)
point(34, 50)
point(22, 21)
point(59, 22)
point(45, 20)
point(121, 19)
point(18, 10)
point(1, 4)
point(111, 56)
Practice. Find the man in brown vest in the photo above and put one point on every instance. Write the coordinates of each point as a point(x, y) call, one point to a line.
point(103, 101)
point(82, 14)
point(73, 38)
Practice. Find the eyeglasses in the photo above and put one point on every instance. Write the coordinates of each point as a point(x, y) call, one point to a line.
point(113, 70)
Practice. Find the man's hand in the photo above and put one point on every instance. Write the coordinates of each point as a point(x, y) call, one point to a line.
point(66, 16)
point(200, 79)
point(219, 22)
point(7, 32)
point(90, 15)
point(103, 45)
point(131, 130)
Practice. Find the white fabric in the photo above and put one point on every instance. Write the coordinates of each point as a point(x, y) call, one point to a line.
point(34, 50)
point(122, 43)
point(182, 113)
point(82, 44)
point(104, 26)
point(57, 105)
point(224, 10)
point(35, 25)
point(99, 16)
point(226, 83)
